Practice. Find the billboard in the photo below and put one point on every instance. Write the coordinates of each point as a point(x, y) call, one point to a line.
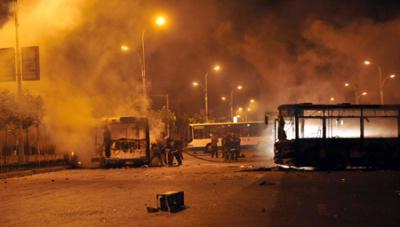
point(7, 64)
point(30, 63)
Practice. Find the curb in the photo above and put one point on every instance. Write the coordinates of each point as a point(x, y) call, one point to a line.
point(30, 172)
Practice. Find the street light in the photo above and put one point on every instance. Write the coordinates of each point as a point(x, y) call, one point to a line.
point(332, 99)
point(124, 48)
point(252, 101)
point(223, 98)
point(195, 84)
point(381, 80)
point(160, 21)
point(216, 68)
point(362, 94)
point(239, 87)
point(356, 92)
point(382, 85)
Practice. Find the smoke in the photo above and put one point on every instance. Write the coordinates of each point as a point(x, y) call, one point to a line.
point(310, 59)
point(84, 75)
point(280, 51)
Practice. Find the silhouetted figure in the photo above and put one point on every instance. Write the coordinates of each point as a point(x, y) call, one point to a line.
point(281, 128)
point(214, 146)
point(156, 149)
point(107, 140)
point(235, 149)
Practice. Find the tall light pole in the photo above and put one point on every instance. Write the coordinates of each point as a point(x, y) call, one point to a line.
point(381, 80)
point(382, 85)
point(160, 21)
point(357, 95)
point(231, 99)
point(216, 68)
point(18, 71)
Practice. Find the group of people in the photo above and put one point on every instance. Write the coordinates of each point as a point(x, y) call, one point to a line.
point(230, 146)
point(167, 150)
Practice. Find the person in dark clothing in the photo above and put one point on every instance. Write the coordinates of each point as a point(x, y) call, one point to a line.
point(235, 147)
point(214, 146)
point(107, 141)
point(227, 147)
point(156, 149)
point(173, 152)
point(169, 146)
point(179, 147)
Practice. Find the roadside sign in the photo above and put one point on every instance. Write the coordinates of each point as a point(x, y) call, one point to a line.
point(30, 63)
point(7, 64)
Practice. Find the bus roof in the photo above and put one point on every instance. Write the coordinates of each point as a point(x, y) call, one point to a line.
point(310, 106)
point(227, 123)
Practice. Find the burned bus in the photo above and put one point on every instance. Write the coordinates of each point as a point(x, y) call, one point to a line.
point(123, 141)
point(337, 136)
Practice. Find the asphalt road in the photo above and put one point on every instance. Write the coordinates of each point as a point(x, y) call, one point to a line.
point(216, 194)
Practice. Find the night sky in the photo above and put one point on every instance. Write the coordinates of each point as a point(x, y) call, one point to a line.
point(280, 51)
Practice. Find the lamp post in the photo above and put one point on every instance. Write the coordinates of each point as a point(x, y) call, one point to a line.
point(382, 85)
point(381, 80)
point(356, 92)
point(159, 21)
point(216, 68)
point(231, 99)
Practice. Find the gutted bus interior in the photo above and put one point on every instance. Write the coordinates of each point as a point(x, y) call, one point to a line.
point(336, 136)
point(124, 141)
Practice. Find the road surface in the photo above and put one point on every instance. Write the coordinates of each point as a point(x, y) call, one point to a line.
point(216, 194)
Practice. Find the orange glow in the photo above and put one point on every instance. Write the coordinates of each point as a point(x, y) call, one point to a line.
point(332, 99)
point(160, 21)
point(367, 62)
point(239, 87)
point(217, 68)
point(392, 76)
point(195, 84)
point(124, 48)
point(223, 98)
point(252, 101)
point(346, 84)
point(364, 93)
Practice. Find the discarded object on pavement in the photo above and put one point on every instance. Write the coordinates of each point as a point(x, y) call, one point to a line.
point(172, 201)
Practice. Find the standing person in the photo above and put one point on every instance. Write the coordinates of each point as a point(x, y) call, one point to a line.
point(236, 147)
point(169, 147)
point(107, 141)
point(179, 149)
point(228, 147)
point(214, 145)
point(159, 151)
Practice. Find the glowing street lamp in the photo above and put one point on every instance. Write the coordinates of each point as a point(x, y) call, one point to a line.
point(332, 99)
point(160, 21)
point(381, 80)
point(355, 89)
point(223, 98)
point(124, 48)
point(239, 87)
point(252, 101)
point(215, 68)
point(195, 84)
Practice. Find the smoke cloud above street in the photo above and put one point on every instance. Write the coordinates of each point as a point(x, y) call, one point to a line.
point(280, 51)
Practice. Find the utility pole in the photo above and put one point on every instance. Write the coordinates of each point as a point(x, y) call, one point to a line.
point(18, 72)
